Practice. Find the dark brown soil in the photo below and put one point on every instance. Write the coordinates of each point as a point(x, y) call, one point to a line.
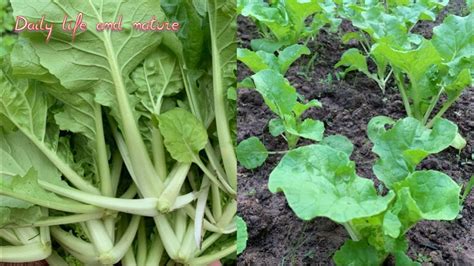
point(276, 235)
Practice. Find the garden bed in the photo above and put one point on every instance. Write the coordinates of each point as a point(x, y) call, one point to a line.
point(276, 235)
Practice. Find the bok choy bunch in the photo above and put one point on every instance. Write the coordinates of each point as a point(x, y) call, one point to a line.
point(119, 146)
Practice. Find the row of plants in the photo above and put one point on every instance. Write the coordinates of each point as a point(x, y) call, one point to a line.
point(319, 180)
point(118, 147)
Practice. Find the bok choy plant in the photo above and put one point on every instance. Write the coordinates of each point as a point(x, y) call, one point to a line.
point(435, 73)
point(289, 106)
point(285, 22)
point(382, 21)
point(324, 183)
point(119, 146)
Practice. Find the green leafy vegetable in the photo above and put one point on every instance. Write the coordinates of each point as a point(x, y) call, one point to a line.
point(118, 146)
point(324, 183)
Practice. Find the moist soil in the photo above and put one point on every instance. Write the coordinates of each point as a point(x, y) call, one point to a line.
point(276, 235)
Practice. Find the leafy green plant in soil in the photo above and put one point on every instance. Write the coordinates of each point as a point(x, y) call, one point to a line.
point(324, 183)
point(119, 146)
point(285, 22)
point(440, 66)
point(289, 106)
point(261, 60)
point(382, 21)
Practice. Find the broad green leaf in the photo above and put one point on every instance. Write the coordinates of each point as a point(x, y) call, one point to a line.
point(95, 56)
point(357, 253)
point(413, 62)
point(242, 234)
point(299, 10)
point(309, 129)
point(273, 17)
point(406, 144)
point(191, 27)
point(251, 153)
point(320, 181)
point(262, 60)
point(455, 85)
point(418, 64)
point(184, 135)
point(339, 142)
point(380, 25)
point(354, 60)
point(19, 155)
point(257, 61)
point(454, 40)
point(435, 194)
point(277, 92)
point(276, 127)
point(25, 63)
point(101, 62)
point(24, 103)
point(78, 115)
point(159, 76)
point(290, 55)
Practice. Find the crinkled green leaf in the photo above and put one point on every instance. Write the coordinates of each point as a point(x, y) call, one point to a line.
point(191, 27)
point(18, 216)
point(19, 154)
point(24, 103)
point(406, 144)
point(242, 234)
point(357, 253)
point(320, 181)
point(251, 153)
point(159, 76)
point(184, 135)
point(435, 194)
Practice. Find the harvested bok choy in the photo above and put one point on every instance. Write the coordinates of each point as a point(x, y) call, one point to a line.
point(119, 146)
